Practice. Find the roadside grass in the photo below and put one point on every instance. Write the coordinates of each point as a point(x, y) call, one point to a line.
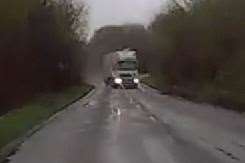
point(212, 94)
point(16, 123)
point(150, 82)
point(156, 83)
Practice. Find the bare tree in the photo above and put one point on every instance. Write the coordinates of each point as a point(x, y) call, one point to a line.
point(185, 5)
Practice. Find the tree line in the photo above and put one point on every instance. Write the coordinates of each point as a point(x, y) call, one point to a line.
point(117, 37)
point(200, 51)
point(41, 48)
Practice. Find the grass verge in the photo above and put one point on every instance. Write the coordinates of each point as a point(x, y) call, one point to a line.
point(18, 122)
point(208, 94)
point(150, 82)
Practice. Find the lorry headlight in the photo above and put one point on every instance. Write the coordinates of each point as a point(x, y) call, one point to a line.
point(118, 81)
point(136, 81)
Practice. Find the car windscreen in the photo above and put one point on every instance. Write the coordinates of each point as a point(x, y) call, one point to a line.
point(127, 65)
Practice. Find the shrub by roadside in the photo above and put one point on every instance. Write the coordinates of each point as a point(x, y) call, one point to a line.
point(207, 94)
point(200, 52)
point(42, 48)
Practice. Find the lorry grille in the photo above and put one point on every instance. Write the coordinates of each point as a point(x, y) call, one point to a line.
point(125, 75)
point(127, 78)
point(128, 81)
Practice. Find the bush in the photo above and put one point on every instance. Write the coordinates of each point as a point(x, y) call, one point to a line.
point(41, 47)
point(202, 47)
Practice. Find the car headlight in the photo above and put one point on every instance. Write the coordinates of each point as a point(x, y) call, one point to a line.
point(136, 81)
point(118, 81)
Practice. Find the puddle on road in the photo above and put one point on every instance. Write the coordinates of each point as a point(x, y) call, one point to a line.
point(153, 118)
point(131, 100)
point(138, 106)
point(242, 146)
point(116, 111)
point(87, 122)
point(86, 104)
point(229, 154)
point(90, 103)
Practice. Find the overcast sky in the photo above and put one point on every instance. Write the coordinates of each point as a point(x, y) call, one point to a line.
point(116, 12)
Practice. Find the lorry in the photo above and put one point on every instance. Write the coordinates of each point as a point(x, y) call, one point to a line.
point(120, 69)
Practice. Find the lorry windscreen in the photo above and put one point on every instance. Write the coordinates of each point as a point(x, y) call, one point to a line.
point(127, 65)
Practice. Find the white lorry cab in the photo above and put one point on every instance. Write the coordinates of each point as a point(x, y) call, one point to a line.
point(120, 69)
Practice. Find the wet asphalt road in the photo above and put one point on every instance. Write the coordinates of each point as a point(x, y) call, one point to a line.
point(137, 126)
